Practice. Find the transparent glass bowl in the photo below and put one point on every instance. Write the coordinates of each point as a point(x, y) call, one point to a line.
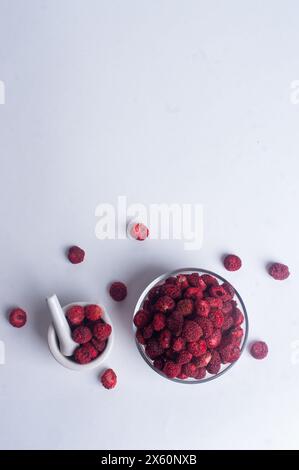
point(160, 280)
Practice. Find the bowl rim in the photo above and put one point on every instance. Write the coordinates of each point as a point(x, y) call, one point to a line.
point(65, 361)
point(163, 277)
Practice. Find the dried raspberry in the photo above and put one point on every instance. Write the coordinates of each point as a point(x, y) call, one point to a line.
point(197, 348)
point(81, 334)
point(139, 232)
point(93, 351)
point(159, 363)
point(225, 352)
point(148, 331)
point(182, 281)
point(175, 323)
point(99, 345)
point(259, 350)
point(215, 302)
point(232, 262)
point(93, 312)
point(193, 293)
point(164, 304)
point(154, 294)
point(76, 254)
point(118, 291)
point(228, 307)
point(217, 317)
point(228, 323)
point(215, 363)
point(141, 319)
point(140, 338)
point(171, 369)
point(153, 349)
point(230, 291)
point(147, 307)
point(171, 280)
point(206, 326)
point(191, 331)
point(214, 340)
point(109, 379)
point(184, 357)
point(235, 334)
point(82, 355)
point(218, 292)
point(102, 331)
point(279, 271)
point(75, 315)
point(159, 321)
point(234, 354)
point(203, 360)
point(202, 308)
point(165, 339)
point(178, 344)
point(200, 373)
point(196, 281)
point(171, 290)
point(170, 354)
point(17, 317)
point(209, 280)
point(189, 369)
point(238, 317)
point(185, 307)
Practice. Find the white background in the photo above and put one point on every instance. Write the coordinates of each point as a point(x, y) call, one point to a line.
point(161, 101)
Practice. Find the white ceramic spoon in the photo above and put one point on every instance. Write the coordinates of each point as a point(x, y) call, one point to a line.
point(66, 345)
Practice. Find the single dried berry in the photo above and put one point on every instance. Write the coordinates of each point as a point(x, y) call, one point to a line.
point(148, 331)
point(215, 302)
point(81, 334)
point(83, 355)
point(238, 317)
point(230, 291)
point(171, 290)
point(182, 281)
point(175, 323)
point(93, 312)
point(217, 317)
point(214, 365)
point(154, 294)
point(235, 334)
point(228, 323)
point(76, 254)
point(178, 344)
point(259, 350)
point(164, 304)
point(195, 280)
point(193, 293)
point(185, 307)
point(218, 292)
point(75, 315)
point(203, 360)
point(279, 271)
point(17, 317)
point(153, 349)
point(165, 339)
point(214, 340)
point(200, 373)
point(102, 331)
point(118, 291)
point(171, 280)
point(184, 357)
point(232, 262)
point(202, 308)
point(159, 363)
point(189, 369)
point(159, 321)
point(139, 232)
point(109, 379)
point(197, 348)
point(206, 326)
point(99, 345)
point(228, 307)
point(141, 319)
point(191, 331)
point(171, 369)
point(93, 351)
point(209, 280)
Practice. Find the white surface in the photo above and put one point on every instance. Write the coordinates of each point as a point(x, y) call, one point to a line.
point(161, 101)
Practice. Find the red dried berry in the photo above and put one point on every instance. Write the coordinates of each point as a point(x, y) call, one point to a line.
point(171, 369)
point(175, 323)
point(228, 307)
point(228, 323)
point(238, 317)
point(153, 349)
point(191, 331)
point(206, 326)
point(76, 254)
point(189, 369)
point(118, 291)
point(214, 340)
point(230, 291)
point(197, 348)
point(82, 355)
point(170, 354)
point(214, 365)
point(185, 307)
point(200, 373)
point(99, 345)
point(164, 304)
point(109, 379)
point(159, 321)
point(81, 334)
point(202, 308)
point(232, 262)
point(182, 281)
point(193, 293)
point(165, 339)
point(159, 363)
point(234, 354)
point(209, 280)
point(196, 281)
point(148, 331)
point(184, 357)
point(217, 317)
point(93, 351)
point(141, 319)
point(102, 331)
point(171, 280)
point(171, 290)
point(215, 302)
point(140, 338)
point(139, 232)
point(75, 315)
point(17, 317)
point(178, 344)
point(93, 312)
point(236, 334)
point(203, 360)
point(154, 294)
point(259, 350)
point(279, 271)
point(218, 292)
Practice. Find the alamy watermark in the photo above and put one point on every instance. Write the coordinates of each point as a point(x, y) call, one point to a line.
point(165, 221)
point(2, 353)
point(294, 92)
point(2, 92)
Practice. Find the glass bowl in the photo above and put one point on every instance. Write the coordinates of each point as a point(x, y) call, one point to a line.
point(160, 280)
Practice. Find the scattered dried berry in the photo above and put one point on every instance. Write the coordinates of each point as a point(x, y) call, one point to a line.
point(81, 334)
point(118, 291)
point(17, 317)
point(139, 232)
point(259, 350)
point(232, 262)
point(76, 254)
point(109, 379)
point(279, 271)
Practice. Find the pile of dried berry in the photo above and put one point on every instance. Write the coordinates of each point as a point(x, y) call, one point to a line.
point(89, 330)
point(190, 325)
